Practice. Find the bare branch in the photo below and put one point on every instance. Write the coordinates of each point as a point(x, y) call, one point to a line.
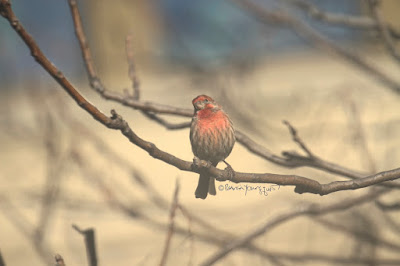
point(313, 209)
point(86, 54)
point(90, 244)
point(290, 160)
point(294, 160)
point(171, 226)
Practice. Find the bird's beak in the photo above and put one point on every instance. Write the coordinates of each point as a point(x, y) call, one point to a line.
point(198, 105)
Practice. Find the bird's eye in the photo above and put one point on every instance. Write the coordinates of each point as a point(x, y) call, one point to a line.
point(206, 100)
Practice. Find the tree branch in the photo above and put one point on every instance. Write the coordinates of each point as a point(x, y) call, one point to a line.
point(289, 160)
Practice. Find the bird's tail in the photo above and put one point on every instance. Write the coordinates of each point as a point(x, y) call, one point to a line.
point(206, 185)
point(211, 186)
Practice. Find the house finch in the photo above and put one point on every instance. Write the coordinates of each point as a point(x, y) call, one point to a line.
point(212, 137)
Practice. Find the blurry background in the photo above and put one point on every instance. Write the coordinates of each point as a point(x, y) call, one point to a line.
point(58, 166)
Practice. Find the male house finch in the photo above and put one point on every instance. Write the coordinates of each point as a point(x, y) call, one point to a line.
point(212, 137)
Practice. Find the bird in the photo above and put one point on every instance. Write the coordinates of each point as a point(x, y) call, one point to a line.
point(212, 137)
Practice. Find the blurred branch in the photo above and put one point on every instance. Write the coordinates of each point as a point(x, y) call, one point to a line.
point(11, 212)
point(213, 236)
point(363, 236)
point(171, 226)
point(56, 166)
point(313, 258)
point(90, 244)
point(388, 206)
point(356, 125)
point(136, 211)
point(312, 210)
point(59, 260)
point(317, 39)
point(346, 20)
point(390, 221)
point(384, 29)
point(131, 67)
point(2, 262)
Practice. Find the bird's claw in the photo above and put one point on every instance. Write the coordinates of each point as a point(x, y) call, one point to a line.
point(229, 169)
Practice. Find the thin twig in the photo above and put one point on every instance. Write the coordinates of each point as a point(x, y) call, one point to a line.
point(297, 139)
point(90, 244)
point(86, 54)
point(136, 88)
point(171, 226)
point(292, 160)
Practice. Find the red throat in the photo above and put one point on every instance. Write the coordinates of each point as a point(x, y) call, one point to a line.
point(207, 118)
